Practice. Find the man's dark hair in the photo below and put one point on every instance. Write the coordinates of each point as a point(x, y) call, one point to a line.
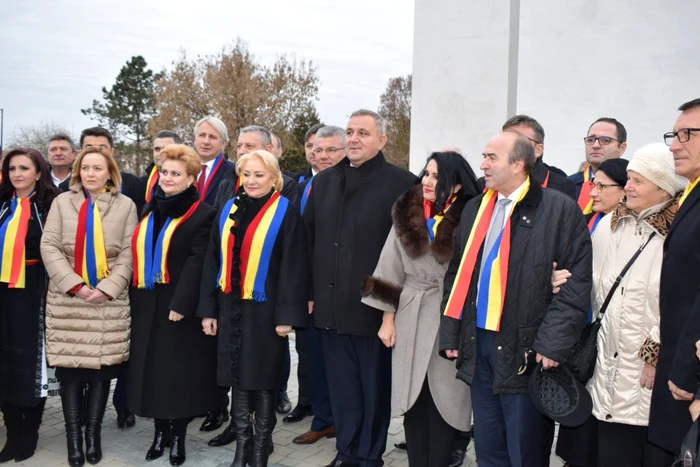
point(619, 127)
point(312, 131)
point(63, 137)
point(96, 131)
point(523, 151)
point(169, 134)
point(526, 120)
point(690, 105)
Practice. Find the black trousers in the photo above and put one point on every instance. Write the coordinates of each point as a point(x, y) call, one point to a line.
point(302, 348)
point(627, 446)
point(429, 437)
point(359, 382)
point(547, 439)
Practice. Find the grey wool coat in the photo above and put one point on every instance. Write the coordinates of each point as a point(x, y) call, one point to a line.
point(408, 280)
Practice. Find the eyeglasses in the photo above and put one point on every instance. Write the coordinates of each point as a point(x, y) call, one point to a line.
point(330, 151)
point(603, 140)
point(602, 186)
point(683, 135)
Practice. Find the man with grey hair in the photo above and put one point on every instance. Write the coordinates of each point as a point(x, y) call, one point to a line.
point(348, 214)
point(61, 154)
point(488, 331)
point(210, 140)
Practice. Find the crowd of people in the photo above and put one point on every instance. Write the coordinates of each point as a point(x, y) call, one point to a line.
point(438, 298)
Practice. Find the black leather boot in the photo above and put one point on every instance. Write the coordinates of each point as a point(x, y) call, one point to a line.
point(242, 408)
point(97, 402)
point(71, 399)
point(161, 439)
point(264, 405)
point(30, 423)
point(177, 445)
point(12, 417)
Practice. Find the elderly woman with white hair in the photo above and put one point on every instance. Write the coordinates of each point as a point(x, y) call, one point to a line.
point(631, 238)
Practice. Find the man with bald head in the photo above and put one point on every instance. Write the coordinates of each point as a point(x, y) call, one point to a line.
point(487, 331)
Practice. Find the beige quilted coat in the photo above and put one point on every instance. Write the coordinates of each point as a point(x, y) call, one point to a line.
point(81, 334)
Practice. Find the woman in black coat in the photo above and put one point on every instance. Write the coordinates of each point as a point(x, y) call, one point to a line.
point(172, 369)
point(254, 290)
point(25, 381)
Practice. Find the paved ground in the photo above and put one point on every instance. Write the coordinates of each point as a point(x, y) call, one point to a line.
point(128, 447)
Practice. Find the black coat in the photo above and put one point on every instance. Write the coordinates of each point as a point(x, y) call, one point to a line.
point(22, 322)
point(250, 353)
point(172, 365)
point(225, 191)
point(348, 215)
point(547, 227)
point(669, 419)
point(133, 187)
point(226, 172)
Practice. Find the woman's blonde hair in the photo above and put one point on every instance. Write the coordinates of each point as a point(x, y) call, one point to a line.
point(114, 182)
point(268, 160)
point(184, 154)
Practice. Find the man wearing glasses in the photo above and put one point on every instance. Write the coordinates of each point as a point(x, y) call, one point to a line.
point(329, 149)
point(606, 139)
point(676, 385)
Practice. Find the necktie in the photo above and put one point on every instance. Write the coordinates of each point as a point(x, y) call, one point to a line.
point(201, 179)
point(494, 229)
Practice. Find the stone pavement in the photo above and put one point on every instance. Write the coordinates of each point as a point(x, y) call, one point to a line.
point(128, 447)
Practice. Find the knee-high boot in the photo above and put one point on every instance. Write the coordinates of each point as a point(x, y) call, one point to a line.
point(30, 423)
point(242, 408)
point(71, 398)
point(97, 402)
point(264, 406)
point(12, 417)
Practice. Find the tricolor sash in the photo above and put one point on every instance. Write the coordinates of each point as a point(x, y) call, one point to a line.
point(90, 252)
point(584, 197)
point(13, 235)
point(687, 191)
point(305, 195)
point(215, 168)
point(494, 276)
point(256, 248)
point(594, 221)
point(152, 183)
point(151, 263)
point(433, 222)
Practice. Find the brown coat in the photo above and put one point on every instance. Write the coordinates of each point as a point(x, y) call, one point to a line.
point(81, 334)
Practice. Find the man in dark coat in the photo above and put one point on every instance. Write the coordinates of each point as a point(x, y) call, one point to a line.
point(348, 214)
point(210, 140)
point(677, 381)
point(309, 141)
point(546, 227)
point(606, 139)
point(162, 139)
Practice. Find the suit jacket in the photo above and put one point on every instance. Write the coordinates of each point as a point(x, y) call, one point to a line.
point(224, 173)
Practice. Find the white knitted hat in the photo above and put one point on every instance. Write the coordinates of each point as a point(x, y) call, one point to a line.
point(655, 162)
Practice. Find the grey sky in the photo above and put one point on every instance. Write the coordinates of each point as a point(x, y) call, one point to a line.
point(57, 54)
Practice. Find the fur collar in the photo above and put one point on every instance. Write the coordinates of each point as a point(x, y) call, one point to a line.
point(659, 220)
point(409, 224)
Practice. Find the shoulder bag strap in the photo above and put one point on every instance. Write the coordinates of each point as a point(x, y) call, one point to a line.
point(619, 278)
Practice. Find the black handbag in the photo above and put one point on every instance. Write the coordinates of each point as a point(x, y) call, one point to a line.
point(690, 448)
point(581, 362)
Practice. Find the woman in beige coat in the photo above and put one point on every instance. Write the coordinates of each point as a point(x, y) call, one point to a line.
point(628, 341)
point(86, 248)
point(407, 285)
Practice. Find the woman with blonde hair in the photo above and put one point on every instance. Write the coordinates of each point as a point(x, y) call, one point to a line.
point(253, 291)
point(172, 364)
point(86, 248)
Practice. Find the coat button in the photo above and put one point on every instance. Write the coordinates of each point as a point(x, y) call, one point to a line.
point(665, 254)
point(331, 285)
point(472, 338)
point(327, 328)
point(615, 355)
point(335, 243)
point(500, 347)
point(608, 417)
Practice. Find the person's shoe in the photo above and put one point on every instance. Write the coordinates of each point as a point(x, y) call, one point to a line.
point(177, 450)
point(339, 463)
point(8, 451)
point(457, 458)
point(299, 413)
point(225, 438)
point(161, 440)
point(311, 436)
point(215, 419)
point(401, 445)
point(125, 420)
point(283, 404)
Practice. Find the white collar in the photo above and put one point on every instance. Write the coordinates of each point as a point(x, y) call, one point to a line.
point(515, 195)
